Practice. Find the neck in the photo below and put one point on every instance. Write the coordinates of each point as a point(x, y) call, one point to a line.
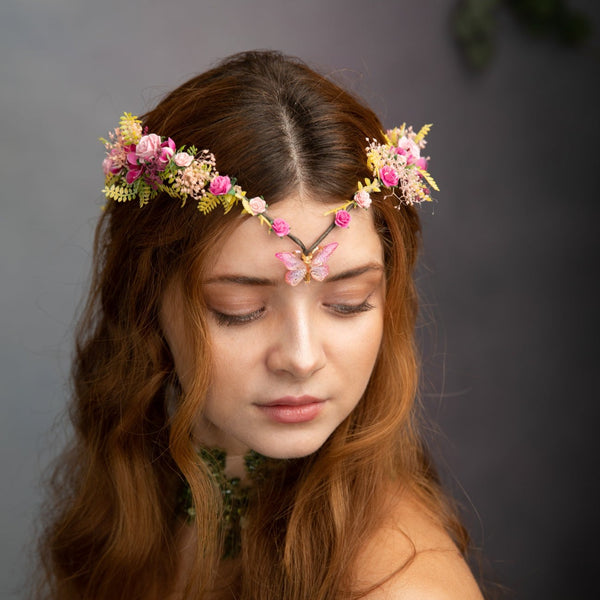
point(207, 436)
point(235, 491)
point(235, 467)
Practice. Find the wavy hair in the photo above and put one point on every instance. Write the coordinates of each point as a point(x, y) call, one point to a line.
point(277, 126)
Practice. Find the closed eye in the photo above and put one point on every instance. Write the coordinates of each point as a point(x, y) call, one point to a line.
point(350, 309)
point(228, 320)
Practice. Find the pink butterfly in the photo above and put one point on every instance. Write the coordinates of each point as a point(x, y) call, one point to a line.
point(302, 266)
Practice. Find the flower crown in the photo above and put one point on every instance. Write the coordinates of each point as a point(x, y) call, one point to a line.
point(141, 165)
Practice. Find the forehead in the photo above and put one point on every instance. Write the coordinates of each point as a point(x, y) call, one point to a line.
point(250, 248)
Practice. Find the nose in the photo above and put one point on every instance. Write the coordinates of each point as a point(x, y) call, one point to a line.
point(297, 347)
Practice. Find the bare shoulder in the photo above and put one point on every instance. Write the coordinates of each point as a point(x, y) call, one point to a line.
point(425, 563)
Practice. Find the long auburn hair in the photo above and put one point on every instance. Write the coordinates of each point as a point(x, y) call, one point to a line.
point(276, 126)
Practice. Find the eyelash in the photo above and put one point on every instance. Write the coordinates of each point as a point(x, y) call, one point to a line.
point(346, 310)
point(227, 320)
point(343, 310)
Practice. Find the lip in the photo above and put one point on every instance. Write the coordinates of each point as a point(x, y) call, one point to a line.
point(292, 409)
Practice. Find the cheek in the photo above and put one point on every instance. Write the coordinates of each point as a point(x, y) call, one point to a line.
point(235, 357)
point(357, 347)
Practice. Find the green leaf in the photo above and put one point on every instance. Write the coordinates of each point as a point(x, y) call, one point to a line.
point(208, 203)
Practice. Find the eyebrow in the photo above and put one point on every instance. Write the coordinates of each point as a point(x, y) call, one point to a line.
point(263, 281)
point(356, 272)
point(241, 279)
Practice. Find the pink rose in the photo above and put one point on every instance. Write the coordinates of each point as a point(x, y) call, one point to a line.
point(115, 168)
point(421, 163)
point(342, 218)
point(148, 147)
point(362, 198)
point(408, 147)
point(280, 227)
point(258, 206)
point(183, 159)
point(167, 149)
point(388, 176)
point(220, 185)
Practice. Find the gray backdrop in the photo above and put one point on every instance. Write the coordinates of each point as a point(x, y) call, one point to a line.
point(509, 276)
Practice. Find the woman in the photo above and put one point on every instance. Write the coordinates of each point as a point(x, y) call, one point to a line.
point(244, 381)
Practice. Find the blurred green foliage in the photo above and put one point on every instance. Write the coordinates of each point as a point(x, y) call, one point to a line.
point(475, 24)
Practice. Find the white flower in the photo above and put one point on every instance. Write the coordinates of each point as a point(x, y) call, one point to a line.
point(183, 159)
point(362, 198)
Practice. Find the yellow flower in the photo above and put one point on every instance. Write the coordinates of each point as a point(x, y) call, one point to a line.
point(130, 128)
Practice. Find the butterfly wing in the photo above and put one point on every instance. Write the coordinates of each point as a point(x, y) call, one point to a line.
point(296, 269)
point(296, 276)
point(319, 269)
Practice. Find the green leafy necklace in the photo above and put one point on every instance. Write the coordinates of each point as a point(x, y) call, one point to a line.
point(235, 496)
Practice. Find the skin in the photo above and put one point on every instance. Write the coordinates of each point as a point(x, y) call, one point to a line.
point(274, 343)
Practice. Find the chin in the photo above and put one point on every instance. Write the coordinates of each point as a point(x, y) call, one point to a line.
point(288, 447)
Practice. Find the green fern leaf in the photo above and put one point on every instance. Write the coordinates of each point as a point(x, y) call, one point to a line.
point(423, 132)
point(167, 189)
point(144, 194)
point(430, 180)
point(228, 201)
point(208, 203)
point(119, 193)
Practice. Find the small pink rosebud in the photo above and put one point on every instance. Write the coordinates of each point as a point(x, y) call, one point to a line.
point(183, 159)
point(280, 227)
point(220, 185)
point(362, 198)
point(148, 147)
point(257, 205)
point(388, 176)
point(342, 218)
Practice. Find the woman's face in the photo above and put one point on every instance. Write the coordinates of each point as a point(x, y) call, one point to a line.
point(289, 363)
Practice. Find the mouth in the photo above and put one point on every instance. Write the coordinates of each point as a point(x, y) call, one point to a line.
point(293, 401)
point(292, 409)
